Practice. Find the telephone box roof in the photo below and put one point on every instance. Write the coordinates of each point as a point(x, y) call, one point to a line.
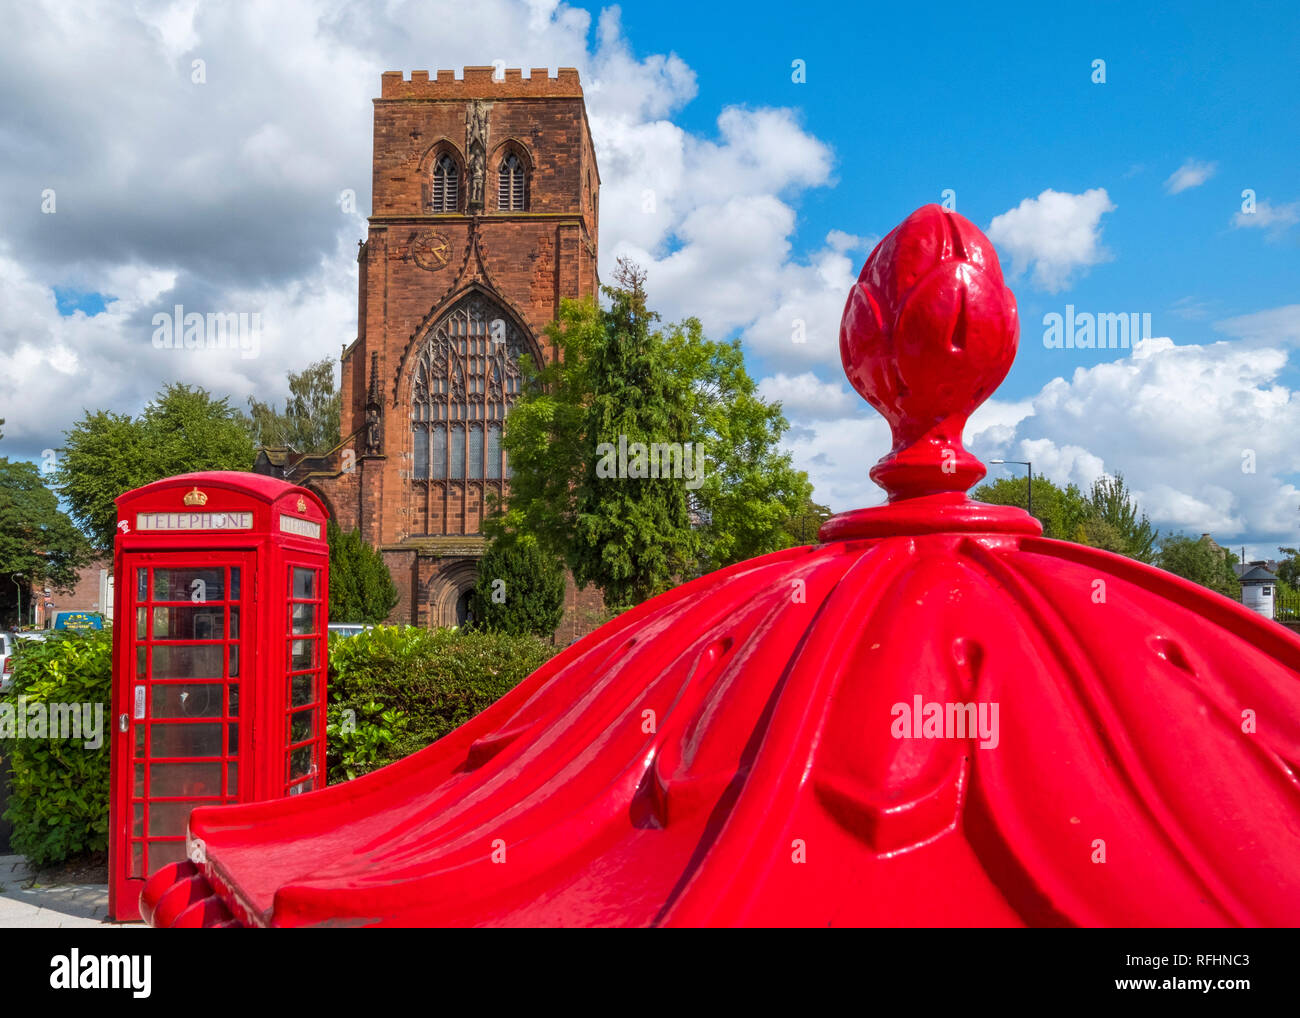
point(259, 486)
point(935, 716)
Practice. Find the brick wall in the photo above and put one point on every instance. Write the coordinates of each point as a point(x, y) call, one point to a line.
point(84, 597)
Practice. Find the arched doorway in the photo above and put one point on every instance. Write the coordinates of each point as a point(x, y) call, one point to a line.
point(449, 592)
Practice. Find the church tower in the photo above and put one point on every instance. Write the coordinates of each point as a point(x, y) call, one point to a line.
point(485, 211)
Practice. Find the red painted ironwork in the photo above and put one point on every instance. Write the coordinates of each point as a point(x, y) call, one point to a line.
point(761, 745)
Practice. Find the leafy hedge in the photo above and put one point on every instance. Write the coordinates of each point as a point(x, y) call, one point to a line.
point(58, 793)
point(404, 688)
point(407, 687)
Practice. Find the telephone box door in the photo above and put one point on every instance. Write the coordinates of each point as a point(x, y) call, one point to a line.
point(187, 619)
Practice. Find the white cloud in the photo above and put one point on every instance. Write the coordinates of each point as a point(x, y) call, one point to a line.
point(1192, 173)
point(1268, 216)
point(1057, 233)
point(806, 397)
point(225, 196)
point(1180, 422)
point(1276, 326)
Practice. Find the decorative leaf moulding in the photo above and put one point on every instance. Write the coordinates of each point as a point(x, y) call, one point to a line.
point(933, 717)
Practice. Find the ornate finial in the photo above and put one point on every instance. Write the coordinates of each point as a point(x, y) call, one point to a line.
point(929, 331)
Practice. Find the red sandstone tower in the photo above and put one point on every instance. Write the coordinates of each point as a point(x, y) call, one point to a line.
point(485, 209)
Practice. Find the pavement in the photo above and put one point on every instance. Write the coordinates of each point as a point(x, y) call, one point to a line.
point(65, 906)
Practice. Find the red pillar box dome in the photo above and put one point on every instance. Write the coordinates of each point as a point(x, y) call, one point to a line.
point(934, 716)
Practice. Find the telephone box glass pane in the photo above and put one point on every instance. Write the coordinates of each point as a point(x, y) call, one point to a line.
point(186, 700)
point(232, 739)
point(301, 688)
point(137, 826)
point(234, 701)
point(141, 623)
point(302, 726)
point(142, 584)
point(193, 662)
point(232, 779)
point(302, 655)
point(304, 584)
point(234, 661)
point(234, 583)
point(189, 584)
point(137, 858)
point(187, 778)
point(185, 740)
point(171, 817)
point(302, 618)
point(189, 622)
point(234, 623)
point(300, 761)
point(161, 853)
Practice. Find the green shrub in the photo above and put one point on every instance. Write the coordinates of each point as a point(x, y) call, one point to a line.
point(58, 794)
point(407, 687)
point(361, 587)
point(358, 736)
point(520, 590)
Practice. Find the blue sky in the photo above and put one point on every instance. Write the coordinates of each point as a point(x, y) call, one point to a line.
point(999, 106)
point(767, 196)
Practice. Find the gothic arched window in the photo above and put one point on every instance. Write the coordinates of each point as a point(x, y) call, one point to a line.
point(466, 378)
point(512, 185)
point(446, 185)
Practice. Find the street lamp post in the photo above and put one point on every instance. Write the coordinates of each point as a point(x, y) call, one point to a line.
point(18, 587)
point(1030, 467)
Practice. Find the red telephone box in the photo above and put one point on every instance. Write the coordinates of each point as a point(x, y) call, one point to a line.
point(219, 658)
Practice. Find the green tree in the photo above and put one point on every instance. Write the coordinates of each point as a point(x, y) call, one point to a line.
point(1098, 533)
point(1059, 510)
point(310, 421)
point(801, 526)
point(751, 489)
point(1288, 570)
point(361, 587)
point(1197, 560)
point(1111, 502)
point(617, 379)
point(37, 540)
point(184, 429)
point(520, 590)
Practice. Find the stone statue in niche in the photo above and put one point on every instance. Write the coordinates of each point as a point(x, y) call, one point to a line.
point(476, 132)
point(372, 429)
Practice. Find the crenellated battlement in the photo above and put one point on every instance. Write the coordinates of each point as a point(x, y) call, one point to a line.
point(482, 83)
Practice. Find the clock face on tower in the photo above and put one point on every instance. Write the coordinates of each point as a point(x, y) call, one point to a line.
point(431, 250)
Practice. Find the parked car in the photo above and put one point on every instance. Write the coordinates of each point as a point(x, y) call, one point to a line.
point(78, 620)
point(6, 661)
point(346, 629)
